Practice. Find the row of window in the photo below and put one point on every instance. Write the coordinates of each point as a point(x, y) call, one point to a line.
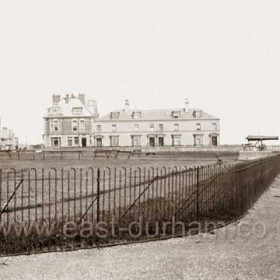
point(81, 126)
point(135, 141)
point(156, 141)
point(174, 114)
point(152, 127)
point(75, 111)
point(76, 125)
point(71, 141)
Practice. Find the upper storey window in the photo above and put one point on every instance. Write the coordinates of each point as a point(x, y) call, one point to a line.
point(176, 114)
point(115, 115)
point(197, 114)
point(114, 128)
point(136, 115)
point(54, 125)
point(74, 125)
point(77, 111)
point(54, 110)
point(214, 126)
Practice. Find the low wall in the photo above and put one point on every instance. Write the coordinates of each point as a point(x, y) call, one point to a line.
point(251, 155)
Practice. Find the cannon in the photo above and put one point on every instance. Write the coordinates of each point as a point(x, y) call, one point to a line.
point(259, 141)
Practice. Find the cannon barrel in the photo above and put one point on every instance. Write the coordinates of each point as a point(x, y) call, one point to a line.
point(261, 138)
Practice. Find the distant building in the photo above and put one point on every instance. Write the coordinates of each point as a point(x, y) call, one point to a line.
point(171, 127)
point(69, 121)
point(8, 140)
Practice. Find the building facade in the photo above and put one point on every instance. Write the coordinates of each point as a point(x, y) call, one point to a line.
point(8, 140)
point(151, 128)
point(69, 121)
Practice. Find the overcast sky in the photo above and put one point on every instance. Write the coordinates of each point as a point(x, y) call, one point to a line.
point(223, 55)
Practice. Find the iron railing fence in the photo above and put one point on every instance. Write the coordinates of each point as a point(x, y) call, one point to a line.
point(66, 209)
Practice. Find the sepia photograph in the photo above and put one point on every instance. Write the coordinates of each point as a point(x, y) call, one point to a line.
point(139, 140)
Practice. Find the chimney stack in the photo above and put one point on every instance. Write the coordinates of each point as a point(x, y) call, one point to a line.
point(56, 99)
point(126, 105)
point(67, 98)
point(92, 106)
point(187, 105)
point(82, 97)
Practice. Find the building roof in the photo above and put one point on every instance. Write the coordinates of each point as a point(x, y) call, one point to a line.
point(157, 114)
point(65, 106)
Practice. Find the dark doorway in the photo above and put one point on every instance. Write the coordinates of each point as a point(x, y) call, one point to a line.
point(84, 142)
point(214, 140)
point(152, 141)
point(99, 142)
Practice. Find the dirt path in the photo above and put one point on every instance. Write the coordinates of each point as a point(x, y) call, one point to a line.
point(240, 251)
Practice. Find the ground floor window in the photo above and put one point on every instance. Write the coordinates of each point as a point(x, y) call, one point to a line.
point(176, 140)
point(70, 141)
point(76, 141)
point(161, 141)
point(136, 141)
point(56, 141)
point(114, 141)
point(198, 140)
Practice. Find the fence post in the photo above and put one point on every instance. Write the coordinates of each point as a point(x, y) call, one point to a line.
point(197, 193)
point(237, 193)
point(98, 202)
point(0, 193)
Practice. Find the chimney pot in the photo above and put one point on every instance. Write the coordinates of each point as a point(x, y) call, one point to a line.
point(67, 98)
point(126, 105)
point(187, 105)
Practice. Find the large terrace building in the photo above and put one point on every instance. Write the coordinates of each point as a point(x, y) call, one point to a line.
point(69, 121)
point(170, 127)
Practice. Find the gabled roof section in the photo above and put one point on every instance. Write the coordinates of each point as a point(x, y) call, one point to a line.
point(70, 106)
point(73, 103)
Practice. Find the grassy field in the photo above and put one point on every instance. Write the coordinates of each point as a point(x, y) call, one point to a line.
point(157, 160)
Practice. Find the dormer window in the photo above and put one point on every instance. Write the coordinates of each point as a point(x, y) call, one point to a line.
point(197, 114)
point(136, 115)
point(115, 115)
point(77, 111)
point(176, 114)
